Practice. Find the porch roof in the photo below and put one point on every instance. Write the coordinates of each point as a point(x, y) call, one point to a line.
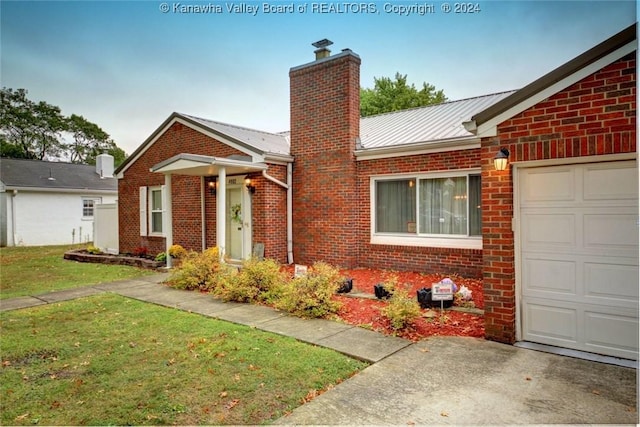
point(198, 165)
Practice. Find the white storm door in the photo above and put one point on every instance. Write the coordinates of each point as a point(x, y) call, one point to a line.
point(578, 234)
point(235, 223)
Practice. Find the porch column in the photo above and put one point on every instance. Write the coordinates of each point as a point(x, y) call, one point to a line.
point(168, 217)
point(221, 207)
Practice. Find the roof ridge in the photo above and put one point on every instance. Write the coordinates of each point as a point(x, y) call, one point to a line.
point(441, 103)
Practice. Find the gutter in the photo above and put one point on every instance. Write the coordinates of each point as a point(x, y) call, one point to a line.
point(453, 144)
point(289, 187)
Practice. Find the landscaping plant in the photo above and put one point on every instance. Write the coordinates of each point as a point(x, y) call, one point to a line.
point(257, 281)
point(200, 271)
point(402, 309)
point(312, 295)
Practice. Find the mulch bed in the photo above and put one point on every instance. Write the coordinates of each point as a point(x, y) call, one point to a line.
point(365, 312)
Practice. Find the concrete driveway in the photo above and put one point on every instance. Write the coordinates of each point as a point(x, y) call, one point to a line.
point(455, 380)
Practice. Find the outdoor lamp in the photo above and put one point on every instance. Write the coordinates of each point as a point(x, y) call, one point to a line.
point(212, 183)
point(249, 185)
point(501, 159)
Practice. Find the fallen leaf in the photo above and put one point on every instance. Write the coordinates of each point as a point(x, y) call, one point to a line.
point(232, 404)
point(21, 417)
point(444, 414)
point(528, 378)
point(6, 363)
point(595, 392)
point(223, 394)
point(424, 350)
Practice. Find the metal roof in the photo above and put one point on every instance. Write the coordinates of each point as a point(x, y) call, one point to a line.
point(37, 174)
point(424, 124)
point(275, 143)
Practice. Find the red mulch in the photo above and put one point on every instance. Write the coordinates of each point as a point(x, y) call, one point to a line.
point(366, 312)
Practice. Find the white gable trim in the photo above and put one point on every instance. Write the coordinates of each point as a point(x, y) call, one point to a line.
point(490, 128)
point(255, 156)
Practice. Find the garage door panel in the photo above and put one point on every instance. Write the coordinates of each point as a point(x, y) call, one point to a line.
point(613, 282)
point(598, 336)
point(557, 229)
point(611, 181)
point(556, 323)
point(578, 256)
point(549, 184)
point(550, 275)
point(611, 231)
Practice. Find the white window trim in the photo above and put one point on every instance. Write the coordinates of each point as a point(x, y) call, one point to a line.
point(96, 201)
point(398, 239)
point(162, 210)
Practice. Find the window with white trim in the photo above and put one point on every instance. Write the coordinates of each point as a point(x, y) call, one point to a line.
point(437, 209)
point(88, 207)
point(155, 210)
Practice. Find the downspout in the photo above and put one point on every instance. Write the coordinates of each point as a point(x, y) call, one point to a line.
point(203, 194)
point(288, 186)
point(14, 193)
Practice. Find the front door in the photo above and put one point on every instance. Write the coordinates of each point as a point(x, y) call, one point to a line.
point(235, 223)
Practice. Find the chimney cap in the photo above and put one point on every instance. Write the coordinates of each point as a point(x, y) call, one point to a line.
point(322, 43)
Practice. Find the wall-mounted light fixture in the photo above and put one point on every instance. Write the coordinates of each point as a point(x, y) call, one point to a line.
point(501, 159)
point(212, 184)
point(249, 184)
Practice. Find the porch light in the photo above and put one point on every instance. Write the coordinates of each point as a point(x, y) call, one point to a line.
point(249, 185)
point(501, 159)
point(212, 183)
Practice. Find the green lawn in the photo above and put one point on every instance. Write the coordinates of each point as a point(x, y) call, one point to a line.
point(36, 270)
point(107, 360)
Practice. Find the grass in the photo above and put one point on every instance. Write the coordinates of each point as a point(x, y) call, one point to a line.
point(107, 360)
point(36, 270)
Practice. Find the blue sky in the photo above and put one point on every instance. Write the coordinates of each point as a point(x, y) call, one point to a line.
point(126, 65)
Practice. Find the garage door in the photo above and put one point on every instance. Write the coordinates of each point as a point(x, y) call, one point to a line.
point(578, 263)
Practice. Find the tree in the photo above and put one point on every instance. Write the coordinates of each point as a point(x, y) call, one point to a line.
point(32, 130)
point(393, 95)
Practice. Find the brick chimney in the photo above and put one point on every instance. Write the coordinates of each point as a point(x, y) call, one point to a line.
point(325, 124)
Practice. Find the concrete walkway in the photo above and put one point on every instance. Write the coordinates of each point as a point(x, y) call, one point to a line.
point(441, 380)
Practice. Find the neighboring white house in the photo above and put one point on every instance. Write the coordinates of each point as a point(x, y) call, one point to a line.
point(52, 203)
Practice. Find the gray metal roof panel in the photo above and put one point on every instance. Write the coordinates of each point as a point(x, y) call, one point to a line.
point(276, 143)
point(66, 176)
point(424, 124)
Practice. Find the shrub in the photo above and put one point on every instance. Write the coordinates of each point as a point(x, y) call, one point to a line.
point(402, 310)
point(162, 257)
point(177, 251)
point(141, 251)
point(202, 271)
point(312, 295)
point(93, 250)
point(257, 281)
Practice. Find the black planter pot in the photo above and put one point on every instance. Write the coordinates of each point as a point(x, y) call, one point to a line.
point(425, 300)
point(380, 291)
point(346, 286)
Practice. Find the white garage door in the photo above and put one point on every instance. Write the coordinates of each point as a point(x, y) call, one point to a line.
point(578, 234)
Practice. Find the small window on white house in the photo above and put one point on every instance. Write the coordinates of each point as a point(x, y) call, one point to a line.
point(427, 209)
point(155, 210)
point(88, 206)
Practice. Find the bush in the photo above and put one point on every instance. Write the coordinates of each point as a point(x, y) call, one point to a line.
point(402, 310)
point(312, 295)
point(141, 251)
point(177, 251)
point(202, 271)
point(162, 257)
point(93, 250)
point(257, 281)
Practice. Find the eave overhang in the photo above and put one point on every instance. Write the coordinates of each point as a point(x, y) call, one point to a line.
point(414, 149)
point(198, 165)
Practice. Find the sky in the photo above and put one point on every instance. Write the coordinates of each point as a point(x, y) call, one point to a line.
point(127, 65)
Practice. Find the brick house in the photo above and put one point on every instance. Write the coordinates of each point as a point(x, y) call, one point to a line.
point(417, 190)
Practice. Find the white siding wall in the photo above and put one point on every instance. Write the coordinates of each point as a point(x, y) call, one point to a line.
point(48, 218)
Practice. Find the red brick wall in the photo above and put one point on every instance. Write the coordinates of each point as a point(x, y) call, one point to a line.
point(595, 116)
point(465, 262)
point(325, 122)
point(186, 196)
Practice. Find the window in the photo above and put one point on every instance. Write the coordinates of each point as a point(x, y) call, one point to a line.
point(152, 208)
point(155, 210)
point(88, 206)
point(428, 210)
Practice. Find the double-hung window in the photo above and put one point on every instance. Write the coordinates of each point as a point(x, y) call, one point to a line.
point(88, 206)
point(152, 210)
point(437, 209)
